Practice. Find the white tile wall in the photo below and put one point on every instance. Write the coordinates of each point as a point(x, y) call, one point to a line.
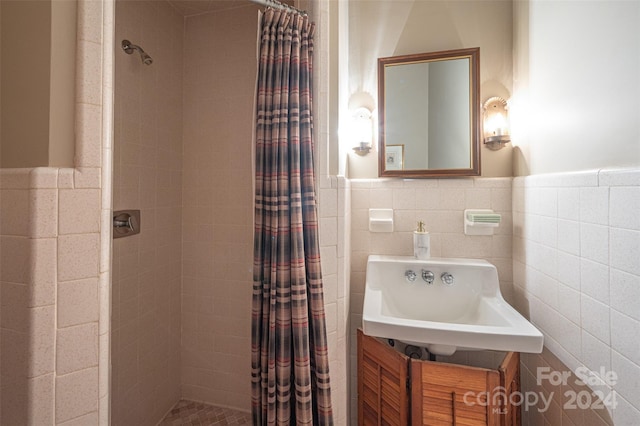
point(591, 266)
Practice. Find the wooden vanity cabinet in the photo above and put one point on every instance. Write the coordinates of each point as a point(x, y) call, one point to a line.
point(396, 390)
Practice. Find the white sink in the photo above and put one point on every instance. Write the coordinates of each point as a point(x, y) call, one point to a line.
point(469, 314)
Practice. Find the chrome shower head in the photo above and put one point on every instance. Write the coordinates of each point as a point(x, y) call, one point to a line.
point(129, 47)
point(146, 59)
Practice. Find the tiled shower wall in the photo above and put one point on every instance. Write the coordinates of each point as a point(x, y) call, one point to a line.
point(440, 204)
point(576, 268)
point(146, 321)
point(219, 82)
point(54, 276)
point(334, 211)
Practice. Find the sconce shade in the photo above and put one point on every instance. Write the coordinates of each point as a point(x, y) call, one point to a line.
point(362, 131)
point(496, 123)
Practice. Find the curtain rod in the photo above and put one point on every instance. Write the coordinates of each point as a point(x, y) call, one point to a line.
point(277, 5)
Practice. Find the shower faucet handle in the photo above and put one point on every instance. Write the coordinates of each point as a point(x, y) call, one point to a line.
point(126, 223)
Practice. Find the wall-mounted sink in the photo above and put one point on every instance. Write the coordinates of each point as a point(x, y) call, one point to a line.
point(443, 305)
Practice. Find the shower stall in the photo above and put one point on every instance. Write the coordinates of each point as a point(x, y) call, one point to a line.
point(181, 288)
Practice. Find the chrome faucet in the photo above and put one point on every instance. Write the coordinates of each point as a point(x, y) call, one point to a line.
point(410, 275)
point(428, 276)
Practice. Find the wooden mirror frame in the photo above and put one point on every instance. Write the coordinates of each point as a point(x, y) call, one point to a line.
point(474, 105)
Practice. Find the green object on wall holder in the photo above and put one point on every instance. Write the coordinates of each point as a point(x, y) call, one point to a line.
point(481, 221)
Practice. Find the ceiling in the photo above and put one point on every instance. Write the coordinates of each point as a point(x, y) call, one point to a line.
point(195, 7)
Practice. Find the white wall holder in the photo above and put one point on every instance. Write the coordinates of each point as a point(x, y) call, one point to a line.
point(381, 220)
point(480, 221)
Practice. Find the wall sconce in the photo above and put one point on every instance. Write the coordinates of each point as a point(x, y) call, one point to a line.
point(362, 128)
point(496, 127)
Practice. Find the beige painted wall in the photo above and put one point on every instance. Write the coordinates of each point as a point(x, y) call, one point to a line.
point(386, 28)
point(38, 83)
point(26, 57)
point(577, 85)
point(63, 81)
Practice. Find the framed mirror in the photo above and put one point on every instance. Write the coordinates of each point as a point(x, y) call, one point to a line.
point(429, 114)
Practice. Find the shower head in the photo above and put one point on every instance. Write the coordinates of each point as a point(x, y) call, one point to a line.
point(146, 59)
point(129, 47)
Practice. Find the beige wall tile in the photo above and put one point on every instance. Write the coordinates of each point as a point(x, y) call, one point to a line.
point(15, 178)
point(78, 256)
point(77, 302)
point(14, 363)
point(88, 419)
point(14, 262)
point(87, 177)
point(89, 21)
point(65, 179)
point(76, 394)
point(76, 348)
point(14, 314)
point(41, 341)
point(42, 272)
point(88, 82)
point(43, 178)
point(88, 131)
point(41, 391)
point(15, 408)
point(79, 211)
point(14, 212)
point(43, 213)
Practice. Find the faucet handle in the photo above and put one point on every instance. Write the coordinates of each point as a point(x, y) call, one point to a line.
point(428, 276)
point(447, 278)
point(410, 275)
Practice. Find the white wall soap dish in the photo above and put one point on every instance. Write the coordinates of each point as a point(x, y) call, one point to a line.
point(381, 220)
point(480, 221)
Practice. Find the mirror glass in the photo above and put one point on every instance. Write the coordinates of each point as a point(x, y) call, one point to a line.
point(429, 114)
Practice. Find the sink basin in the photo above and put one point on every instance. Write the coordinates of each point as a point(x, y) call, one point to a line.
point(468, 314)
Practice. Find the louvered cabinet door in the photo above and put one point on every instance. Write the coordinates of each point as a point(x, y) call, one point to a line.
point(510, 382)
point(447, 394)
point(383, 398)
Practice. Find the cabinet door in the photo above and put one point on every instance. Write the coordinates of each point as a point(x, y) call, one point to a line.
point(447, 394)
point(382, 384)
point(510, 381)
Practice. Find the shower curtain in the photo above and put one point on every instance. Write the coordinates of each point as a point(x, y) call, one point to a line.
point(290, 364)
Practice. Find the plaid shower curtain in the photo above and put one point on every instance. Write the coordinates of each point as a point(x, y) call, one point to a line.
point(289, 360)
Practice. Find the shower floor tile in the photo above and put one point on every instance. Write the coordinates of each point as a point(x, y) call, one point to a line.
point(199, 414)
